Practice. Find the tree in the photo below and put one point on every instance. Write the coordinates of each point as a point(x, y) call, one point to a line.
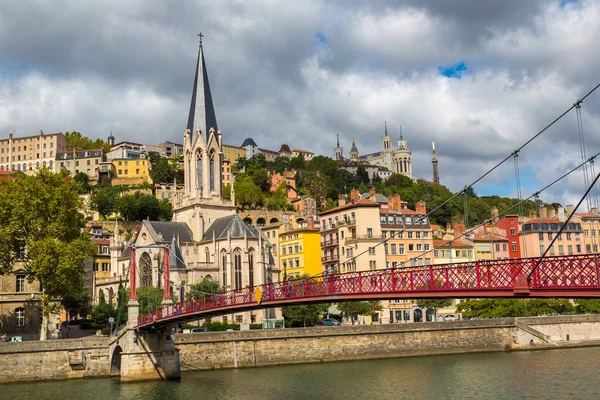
point(104, 200)
point(352, 309)
point(76, 141)
point(306, 315)
point(140, 206)
point(40, 214)
point(84, 180)
point(362, 175)
point(587, 306)
point(247, 193)
point(298, 163)
point(203, 289)
point(78, 300)
point(150, 298)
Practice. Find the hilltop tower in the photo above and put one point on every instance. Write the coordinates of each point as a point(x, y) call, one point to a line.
point(434, 164)
point(402, 161)
point(338, 151)
point(353, 152)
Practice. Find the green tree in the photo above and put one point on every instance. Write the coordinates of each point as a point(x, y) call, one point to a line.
point(247, 193)
point(587, 306)
point(140, 206)
point(76, 141)
point(203, 289)
point(40, 214)
point(161, 170)
point(84, 180)
point(227, 192)
point(352, 309)
point(298, 163)
point(104, 200)
point(303, 315)
point(150, 298)
point(362, 175)
point(101, 313)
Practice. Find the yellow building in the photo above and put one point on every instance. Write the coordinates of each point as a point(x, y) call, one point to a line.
point(232, 153)
point(131, 171)
point(300, 253)
point(170, 191)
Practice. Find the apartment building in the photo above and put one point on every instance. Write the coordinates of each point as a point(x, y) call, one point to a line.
point(304, 153)
point(590, 224)
point(300, 252)
point(131, 171)
point(26, 154)
point(170, 191)
point(538, 233)
point(232, 153)
point(170, 149)
point(409, 234)
point(76, 161)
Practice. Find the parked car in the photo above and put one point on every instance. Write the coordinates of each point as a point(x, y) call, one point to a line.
point(328, 322)
point(195, 330)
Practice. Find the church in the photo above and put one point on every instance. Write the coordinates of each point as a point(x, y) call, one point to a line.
point(208, 239)
point(397, 160)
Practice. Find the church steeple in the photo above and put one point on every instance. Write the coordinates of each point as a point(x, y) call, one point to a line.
point(353, 151)
point(202, 112)
point(386, 141)
point(338, 151)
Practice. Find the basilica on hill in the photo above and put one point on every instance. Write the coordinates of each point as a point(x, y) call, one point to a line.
point(396, 160)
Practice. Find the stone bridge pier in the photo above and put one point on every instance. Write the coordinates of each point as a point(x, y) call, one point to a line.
point(142, 356)
point(148, 355)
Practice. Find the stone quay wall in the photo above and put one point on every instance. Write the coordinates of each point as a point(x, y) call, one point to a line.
point(54, 360)
point(215, 350)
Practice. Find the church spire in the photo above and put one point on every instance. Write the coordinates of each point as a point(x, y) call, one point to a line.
point(202, 112)
point(338, 140)
point(385, 125)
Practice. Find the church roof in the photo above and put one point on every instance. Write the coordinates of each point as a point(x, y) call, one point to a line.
point(230, 226)
point(202, 112)
point(285, 149)
point(249, 142)
point(163, 232)
point(353, 149)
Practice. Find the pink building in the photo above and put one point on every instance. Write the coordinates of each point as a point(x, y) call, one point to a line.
point(537, 233)
point(289, 177)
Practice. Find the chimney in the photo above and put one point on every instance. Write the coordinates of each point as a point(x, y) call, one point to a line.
point(561, 214)
point(459, 229)
point(532, 213)
point(310, 222)
point(543, 212)
point(41, 132)
point(372, 194)
point(403, 205)
point(10, 136)
point(394, 202)
point(354, 195)
point(420, 207)
point(448, 227)
point(594, 211)
point(341, 199)
point(569, 209)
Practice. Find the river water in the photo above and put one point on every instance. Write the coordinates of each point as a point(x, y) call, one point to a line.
point(551, 374)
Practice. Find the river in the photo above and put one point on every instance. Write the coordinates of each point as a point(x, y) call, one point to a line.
point(551, 374)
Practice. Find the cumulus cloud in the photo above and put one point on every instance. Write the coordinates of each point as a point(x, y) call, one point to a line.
point(302, 73)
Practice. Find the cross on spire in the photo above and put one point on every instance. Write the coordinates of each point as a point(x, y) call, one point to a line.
point(200, 35)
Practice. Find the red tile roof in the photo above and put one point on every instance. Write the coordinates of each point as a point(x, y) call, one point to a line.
point(453, 243)
point(356, 204)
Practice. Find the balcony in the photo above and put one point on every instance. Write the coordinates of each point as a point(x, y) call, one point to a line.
point(364, 238)
point(330, 258)
point(348, 222)
point(326, 243)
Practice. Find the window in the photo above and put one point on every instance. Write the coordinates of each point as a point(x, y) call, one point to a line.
point(400, 249)
point(237, 262)
point(551, 250)
point(372, 264)
point(393, 248)
point(20, 316)
point(289, 249)
point(426, 247)
point(549, 235)
point(283, 250)
point(410, 235)
point(284, 264)
point(296, 249)
point(435, 253)
point(20, 250)
point(369, 232)
point(426, 235)
point(95, 267)
point(568, 235)
point(251, 268)
point(457, 253)
point(588, 248)
point(105, 267)
point(419, 247)
point(470, 253)
point(504, 247)
point(514, 246)
point(390, 219)
point(570, 249)
point(595, 248)
point(408, 220)
point(497, 246)
point(297, 261)
point(561, 250)
point(593, 233)
point(418, 235)
point(513, 231)
point(20, 283)
point(540, 236)
point(579, 248)
point(372, 250)
point(586, 233)
point(411, 247)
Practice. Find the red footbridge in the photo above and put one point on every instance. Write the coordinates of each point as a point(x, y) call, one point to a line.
point(570, 276)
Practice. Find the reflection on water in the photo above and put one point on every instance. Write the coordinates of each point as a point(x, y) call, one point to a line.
point(553, 374)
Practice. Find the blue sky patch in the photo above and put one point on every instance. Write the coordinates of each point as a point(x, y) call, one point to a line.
point(321, 38)
point(453, 71)
point(563, 3)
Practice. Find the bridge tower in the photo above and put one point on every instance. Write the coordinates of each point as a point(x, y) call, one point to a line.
point(148, 355)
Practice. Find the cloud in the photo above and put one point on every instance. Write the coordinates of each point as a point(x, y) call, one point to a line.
point(302, 73)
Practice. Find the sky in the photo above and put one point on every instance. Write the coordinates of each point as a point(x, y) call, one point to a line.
point(477, 78)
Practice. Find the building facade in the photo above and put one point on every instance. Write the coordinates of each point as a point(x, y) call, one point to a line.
point(27, 154)
point(76, 161)
point(300, 252)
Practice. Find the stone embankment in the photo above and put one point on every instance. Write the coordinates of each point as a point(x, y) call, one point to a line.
point(199, 351)
point(91, 357)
